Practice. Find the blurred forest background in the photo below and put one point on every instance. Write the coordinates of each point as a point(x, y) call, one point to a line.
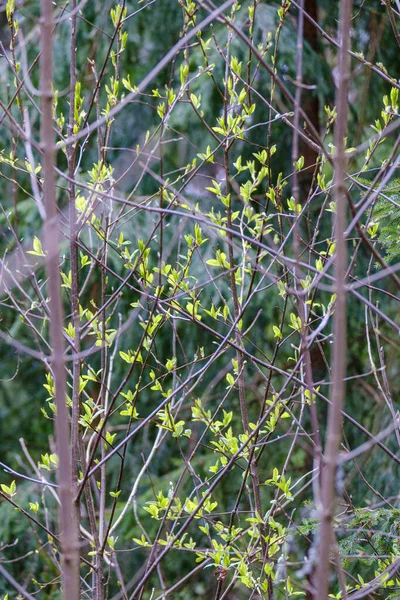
point(155, 153)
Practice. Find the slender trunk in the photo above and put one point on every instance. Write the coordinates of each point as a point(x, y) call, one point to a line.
point(326, 534)
point(69, 538)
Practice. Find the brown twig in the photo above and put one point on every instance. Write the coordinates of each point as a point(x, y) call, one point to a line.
point(69, 537)
point(325, 538)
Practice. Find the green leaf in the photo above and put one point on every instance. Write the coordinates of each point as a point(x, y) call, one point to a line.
point(10, 490)
point(37, 248)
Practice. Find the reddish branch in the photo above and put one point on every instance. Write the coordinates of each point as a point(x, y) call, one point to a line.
point(326, 535)
point(68, 526)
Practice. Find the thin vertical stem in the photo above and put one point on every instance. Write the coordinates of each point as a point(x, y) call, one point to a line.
point(237, 312)
point(71, 153)
point(302, 307)
point(69, 538)
point(99, 592)
point(339, 349)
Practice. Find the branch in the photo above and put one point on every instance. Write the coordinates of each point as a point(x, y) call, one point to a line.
point(68, 526)
point(326, 535)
